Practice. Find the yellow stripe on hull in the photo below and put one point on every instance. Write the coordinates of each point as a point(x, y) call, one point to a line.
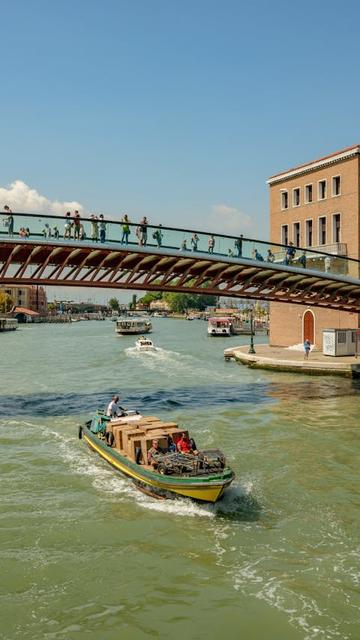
point(210, 493)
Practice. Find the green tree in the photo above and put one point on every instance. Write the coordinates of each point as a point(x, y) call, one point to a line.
point(150, 296)
point(114, 304)
point(6, 302)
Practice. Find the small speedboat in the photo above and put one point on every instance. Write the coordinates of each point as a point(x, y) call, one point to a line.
point(127, 443)
point(145, 344)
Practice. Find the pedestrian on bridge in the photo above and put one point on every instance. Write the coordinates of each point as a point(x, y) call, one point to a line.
point(94, 228)
point(67, 228)
point(238, 245)
point(102, 228)
point(9, 220)
point(211, 244)
point(194, 241)
point(125, 222)
point(143, 231)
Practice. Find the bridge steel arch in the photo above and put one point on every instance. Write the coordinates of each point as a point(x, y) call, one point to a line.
point(45, 262)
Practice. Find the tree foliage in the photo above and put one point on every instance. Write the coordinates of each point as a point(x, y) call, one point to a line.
point(114, 304)
point(181, 302)
point(6, 302)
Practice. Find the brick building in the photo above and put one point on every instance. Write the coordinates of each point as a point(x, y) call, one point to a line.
point(315, 205)
point(29, 297)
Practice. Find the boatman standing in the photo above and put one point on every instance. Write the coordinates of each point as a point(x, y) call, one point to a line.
point(114, 408)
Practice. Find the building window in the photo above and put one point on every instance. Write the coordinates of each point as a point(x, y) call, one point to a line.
point(296, 197)
point(336, 186)
point(341, 337)
point(322, 230)
point(284, 234)
point(353, 336)
point(296, 234)
point(322, 190)
point(308, 193)
point(336, 227)
point(284, 200)
point(309, 233)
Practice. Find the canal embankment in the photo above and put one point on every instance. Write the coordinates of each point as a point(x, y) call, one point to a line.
point(284, 359)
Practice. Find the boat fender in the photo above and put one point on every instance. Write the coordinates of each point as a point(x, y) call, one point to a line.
point(80, 431)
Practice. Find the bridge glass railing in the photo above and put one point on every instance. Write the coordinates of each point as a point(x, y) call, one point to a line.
point(111, 233)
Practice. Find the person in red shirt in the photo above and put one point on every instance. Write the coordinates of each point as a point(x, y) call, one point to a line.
point(184, 445)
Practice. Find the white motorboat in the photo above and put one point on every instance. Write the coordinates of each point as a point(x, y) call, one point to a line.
point(145, 344)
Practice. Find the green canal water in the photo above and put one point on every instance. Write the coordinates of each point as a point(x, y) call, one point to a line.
point(85, 556)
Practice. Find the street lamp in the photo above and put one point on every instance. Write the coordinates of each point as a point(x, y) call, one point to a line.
point(251, 348)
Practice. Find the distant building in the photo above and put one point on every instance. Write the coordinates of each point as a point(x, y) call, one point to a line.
point(315, 205)
point(29, 297)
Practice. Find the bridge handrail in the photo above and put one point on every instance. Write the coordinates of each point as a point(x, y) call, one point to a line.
point(107, 220)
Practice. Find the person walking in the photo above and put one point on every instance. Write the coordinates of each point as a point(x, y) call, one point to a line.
point(307, 347)
point(125, 222)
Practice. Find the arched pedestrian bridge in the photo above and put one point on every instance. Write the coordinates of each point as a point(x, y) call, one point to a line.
point(40, 249)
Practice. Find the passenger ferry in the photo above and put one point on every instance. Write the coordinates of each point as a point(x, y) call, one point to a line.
point(219, 327)
point(132, 326)
point(8, 324)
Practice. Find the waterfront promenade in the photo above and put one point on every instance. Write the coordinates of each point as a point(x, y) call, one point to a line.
point(283, 359)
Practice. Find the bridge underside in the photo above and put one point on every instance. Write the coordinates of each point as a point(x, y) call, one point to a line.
point(148, 269)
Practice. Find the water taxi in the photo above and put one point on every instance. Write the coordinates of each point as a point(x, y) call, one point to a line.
point(132, 326)
point(145, 344)
point(127, 443)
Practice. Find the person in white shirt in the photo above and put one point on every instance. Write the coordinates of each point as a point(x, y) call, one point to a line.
point(114, 408)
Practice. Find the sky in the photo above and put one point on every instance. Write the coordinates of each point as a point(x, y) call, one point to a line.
point(178, 110)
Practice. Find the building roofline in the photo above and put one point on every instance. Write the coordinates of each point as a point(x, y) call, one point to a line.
point(343, 154)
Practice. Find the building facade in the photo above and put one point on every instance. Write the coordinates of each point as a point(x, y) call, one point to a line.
point(315, 206)
point(28, 296)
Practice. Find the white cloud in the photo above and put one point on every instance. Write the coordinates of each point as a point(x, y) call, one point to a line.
point(230, 219)
point(23, 199)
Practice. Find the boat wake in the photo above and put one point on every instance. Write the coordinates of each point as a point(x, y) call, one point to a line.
point(173, 361)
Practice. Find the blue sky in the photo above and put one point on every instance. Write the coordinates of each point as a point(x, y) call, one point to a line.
point(176, 110)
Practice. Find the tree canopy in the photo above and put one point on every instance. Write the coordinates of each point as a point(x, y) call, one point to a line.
point(6, 302)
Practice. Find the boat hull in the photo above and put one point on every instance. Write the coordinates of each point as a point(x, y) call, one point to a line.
point(205, 488)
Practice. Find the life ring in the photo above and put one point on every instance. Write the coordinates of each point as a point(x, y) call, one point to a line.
point(80, 432)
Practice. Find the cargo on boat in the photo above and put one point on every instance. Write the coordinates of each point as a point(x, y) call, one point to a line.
point(127, 443)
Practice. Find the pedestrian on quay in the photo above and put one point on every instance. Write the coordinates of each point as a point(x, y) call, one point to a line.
point(238, 245)
point(125, 222)
point(307, 347)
